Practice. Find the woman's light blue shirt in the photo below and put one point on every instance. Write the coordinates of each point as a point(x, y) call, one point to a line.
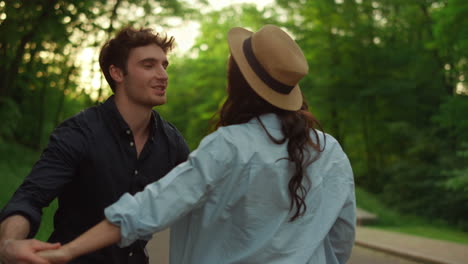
point(229, 203)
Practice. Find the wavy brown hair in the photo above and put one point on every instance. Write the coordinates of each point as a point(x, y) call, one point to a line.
point(243, 104)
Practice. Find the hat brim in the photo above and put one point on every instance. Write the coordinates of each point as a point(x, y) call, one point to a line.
point(291, 101)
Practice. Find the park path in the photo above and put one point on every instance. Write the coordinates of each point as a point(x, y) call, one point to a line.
point(423, 250)
point(374, 245)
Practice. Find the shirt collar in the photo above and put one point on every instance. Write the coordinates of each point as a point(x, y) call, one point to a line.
point(110, 106)
point(269, 120)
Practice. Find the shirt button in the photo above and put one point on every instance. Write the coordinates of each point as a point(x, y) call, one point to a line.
point(128, 132)
point(136, 172)
point(131, 144)
point(130, 254)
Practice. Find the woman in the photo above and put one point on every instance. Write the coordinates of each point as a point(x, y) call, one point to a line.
point(265, 187)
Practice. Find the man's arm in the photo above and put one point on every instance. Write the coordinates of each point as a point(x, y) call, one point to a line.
point(14, 248)
point(14, 227)
point(50, 174)
point(21, 216)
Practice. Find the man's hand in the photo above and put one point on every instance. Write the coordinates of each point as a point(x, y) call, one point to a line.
point(24, 251)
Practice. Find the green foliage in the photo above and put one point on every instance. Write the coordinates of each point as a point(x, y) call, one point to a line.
point(458, 177)
point(9, 114)
point(16, 164)
point(451, 37)
point(452, 117)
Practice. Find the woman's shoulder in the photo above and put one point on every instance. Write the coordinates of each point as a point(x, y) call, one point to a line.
point(333, 160)
point(234, 133)
point(229, 140)
point(330, 147)
point(220, 139)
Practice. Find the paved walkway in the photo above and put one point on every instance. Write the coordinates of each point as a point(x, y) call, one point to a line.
point(421, 250)
point(158, 248)
point(362, 255)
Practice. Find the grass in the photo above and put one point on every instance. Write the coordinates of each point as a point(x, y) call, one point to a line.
point(391, 220)
point(15, 163)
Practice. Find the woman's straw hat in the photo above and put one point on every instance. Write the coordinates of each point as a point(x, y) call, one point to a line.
point(272, 63)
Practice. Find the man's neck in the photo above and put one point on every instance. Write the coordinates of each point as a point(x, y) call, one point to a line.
point(137, 116)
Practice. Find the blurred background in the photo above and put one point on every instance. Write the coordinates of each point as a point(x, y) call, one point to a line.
point(388, 79)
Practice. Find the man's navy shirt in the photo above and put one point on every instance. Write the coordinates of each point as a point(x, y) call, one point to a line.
point(90, 161)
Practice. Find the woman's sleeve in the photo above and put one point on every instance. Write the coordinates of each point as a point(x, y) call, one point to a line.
point(183, 189)
point(343, 231)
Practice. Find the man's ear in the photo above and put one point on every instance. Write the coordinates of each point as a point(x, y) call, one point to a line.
point(116, 73)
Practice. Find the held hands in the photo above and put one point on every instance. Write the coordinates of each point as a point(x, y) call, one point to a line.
point(25, 251)
point(32, 251)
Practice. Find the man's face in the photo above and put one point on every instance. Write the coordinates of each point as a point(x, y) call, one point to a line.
point(146, 79)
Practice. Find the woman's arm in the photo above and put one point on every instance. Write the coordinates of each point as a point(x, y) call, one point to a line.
point(342, 233)
point(161, 203)
point(99, 236)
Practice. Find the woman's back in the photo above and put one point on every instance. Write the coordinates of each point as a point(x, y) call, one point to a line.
point(245, 216)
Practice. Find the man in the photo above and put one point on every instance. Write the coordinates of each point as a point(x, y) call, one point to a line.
point(99, 154)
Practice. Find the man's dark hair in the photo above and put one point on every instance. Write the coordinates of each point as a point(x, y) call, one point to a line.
point(115, 51)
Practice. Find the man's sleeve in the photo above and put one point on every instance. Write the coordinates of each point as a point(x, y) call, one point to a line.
point(54, 169)
point(184, 150)
point(181, 147)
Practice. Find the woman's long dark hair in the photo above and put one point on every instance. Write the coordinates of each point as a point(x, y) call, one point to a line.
point(243, 104)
